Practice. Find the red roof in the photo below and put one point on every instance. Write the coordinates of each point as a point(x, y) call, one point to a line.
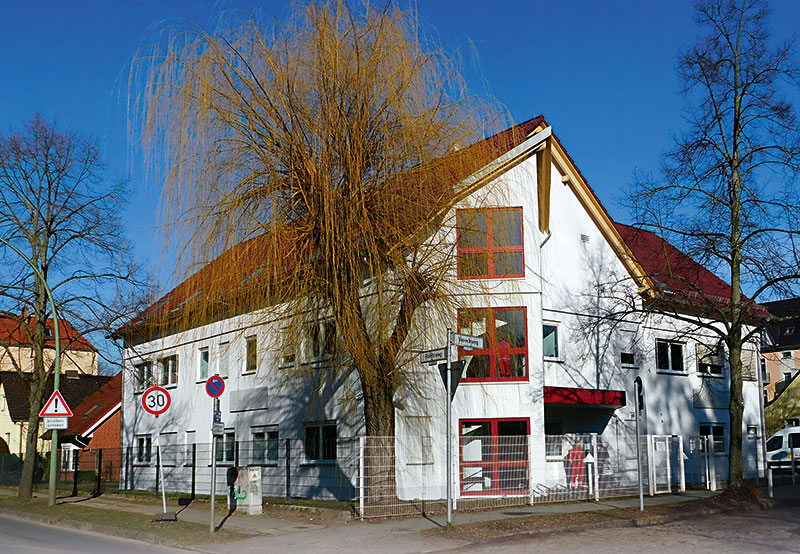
point(12, 333)
point(97, 407)
point(677, 276)
point(275, 254)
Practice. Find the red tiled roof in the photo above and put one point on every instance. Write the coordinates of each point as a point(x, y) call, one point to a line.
point(13, 334)
point(74, 389)
point(422, 187)
point(96, 407)
point(678, 276)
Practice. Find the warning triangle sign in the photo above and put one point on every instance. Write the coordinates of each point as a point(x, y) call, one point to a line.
point(56, 407)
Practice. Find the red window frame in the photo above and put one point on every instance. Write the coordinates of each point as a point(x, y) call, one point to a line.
point(490, 249)
point(495, 464)
point(492, 350)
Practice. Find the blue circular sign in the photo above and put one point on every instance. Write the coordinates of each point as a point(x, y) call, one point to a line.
point(215, 386)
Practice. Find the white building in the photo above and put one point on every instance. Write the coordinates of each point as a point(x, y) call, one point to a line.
point(551, 365)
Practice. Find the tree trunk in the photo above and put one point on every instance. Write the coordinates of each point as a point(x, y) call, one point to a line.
point(736, 410)
point(25, 491)
point(378, 407)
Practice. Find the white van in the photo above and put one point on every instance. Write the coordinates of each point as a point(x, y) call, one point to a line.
point(783, 447)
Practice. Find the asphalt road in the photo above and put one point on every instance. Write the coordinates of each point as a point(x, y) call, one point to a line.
point(19, 536)
point(763, 531)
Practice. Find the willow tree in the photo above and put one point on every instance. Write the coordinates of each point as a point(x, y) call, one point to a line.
point(728, 191)
point(317, 156)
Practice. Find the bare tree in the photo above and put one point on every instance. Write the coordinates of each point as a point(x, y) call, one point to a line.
point(727, 194)
point(326, 148)
point(56, 208)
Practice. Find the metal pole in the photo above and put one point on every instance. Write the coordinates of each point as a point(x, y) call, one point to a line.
point(213, 471)
point(288, 472)
point(57, 368)
point(769, 482)
point(361, 448)
point(762, 423)
point(161, 473)
point(449, 434)
point(638, 448)
point(194, 466)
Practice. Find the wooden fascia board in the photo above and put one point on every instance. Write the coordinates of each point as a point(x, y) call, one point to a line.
point(580, 188)
point(543, 175)
point(504, 163)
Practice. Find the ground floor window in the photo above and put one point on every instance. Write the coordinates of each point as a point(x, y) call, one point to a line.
point(717, 433)
point(320, 441)
point(493, 456)
point(225, 447)
point(144, 446)
point(264, 446)
point(68, 457)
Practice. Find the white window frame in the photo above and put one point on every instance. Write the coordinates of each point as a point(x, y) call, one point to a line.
point(248, 340)
point(164, 369)
point(712, 425)
point(143, 456)
point(320, 426)
point(228, 437)
point(559, 351)
point(710, 355)
point(670, 357)
point(266, 430)
point(68, 450)
point(201, 352)
point(224, 359)
point(142, 382)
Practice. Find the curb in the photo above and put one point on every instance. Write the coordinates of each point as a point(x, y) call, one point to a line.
point(93, 527)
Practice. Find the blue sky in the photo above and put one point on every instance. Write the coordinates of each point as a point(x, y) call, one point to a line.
point(601, 72)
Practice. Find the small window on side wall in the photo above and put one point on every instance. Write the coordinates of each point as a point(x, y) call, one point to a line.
point(627, 359)
point(320, 441)
point(202, 371)
point(143, 375)
point(550, 341)
point(168, 369)
point(251, 354)
point(717, 433)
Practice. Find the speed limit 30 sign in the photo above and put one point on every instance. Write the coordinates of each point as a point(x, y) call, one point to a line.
point(156, 400)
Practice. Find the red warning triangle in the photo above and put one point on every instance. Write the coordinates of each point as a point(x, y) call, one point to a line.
point(56, 407)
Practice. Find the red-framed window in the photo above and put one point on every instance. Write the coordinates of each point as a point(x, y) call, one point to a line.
point(493, 456)
point(505, 338)
point(490, 243)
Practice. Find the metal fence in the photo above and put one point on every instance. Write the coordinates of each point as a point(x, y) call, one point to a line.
point(392, 476)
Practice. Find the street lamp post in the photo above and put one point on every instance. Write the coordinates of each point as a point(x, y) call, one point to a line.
point(57, 364)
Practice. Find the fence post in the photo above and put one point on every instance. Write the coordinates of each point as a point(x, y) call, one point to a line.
point(128, 468)
point(712, 462)
point(595, 468)
point(681, 463)
point(361, 447)
point(194, 465)
point(99, 463)
point(158, 465)
point(651, 470)
point(75, 468)
point(288, 472)
point(769, 481)
point(236, 454)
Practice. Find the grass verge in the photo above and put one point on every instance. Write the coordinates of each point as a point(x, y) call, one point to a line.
point(617, 517)
point(129, 524)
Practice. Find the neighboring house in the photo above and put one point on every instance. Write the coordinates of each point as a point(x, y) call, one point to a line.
point(537, 235)
point(781, 346)
point(74, 387)
point(78, 356)
point(94, 427)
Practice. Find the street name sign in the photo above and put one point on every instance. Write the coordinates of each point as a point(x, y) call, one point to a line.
point(467, 341)
point(55, 423)
point(56, 407)
point(156, 400)
point(433, 356)
point(217, 428)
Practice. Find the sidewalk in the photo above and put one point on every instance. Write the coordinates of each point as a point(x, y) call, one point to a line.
point(306, 532)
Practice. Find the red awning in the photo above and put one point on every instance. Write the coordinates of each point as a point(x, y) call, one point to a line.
point(594, 398)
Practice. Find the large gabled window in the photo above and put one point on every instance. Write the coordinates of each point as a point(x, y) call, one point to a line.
point(490, 243)
point(504, 356)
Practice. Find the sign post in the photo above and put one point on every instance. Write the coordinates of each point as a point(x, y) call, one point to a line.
point(156, 400)
point(215, 386)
